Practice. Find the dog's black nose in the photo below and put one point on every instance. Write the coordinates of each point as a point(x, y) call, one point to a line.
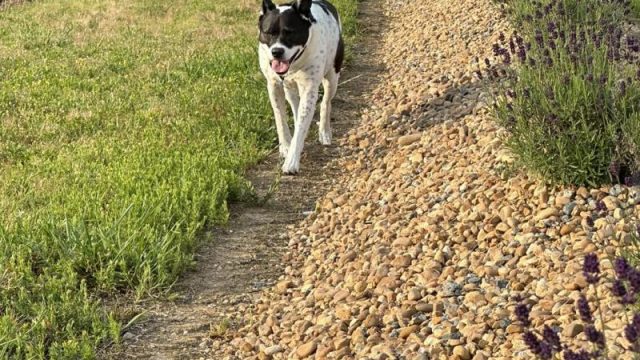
point(277, 52)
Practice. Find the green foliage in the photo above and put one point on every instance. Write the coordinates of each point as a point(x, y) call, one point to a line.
point(126, 127)
point(572, 99)
point(635, 5)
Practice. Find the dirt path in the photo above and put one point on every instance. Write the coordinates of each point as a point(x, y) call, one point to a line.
point(246, 256)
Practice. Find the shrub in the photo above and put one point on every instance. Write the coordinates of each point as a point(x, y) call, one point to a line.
point(570, 90)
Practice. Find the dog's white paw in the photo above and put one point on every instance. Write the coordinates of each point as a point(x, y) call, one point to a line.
point(284, 150)
point(325, 137)
point(290, 167)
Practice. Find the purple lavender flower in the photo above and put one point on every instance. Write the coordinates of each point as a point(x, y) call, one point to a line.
point(603, 79)
point(584, 310)
point(551, 337)
point(551, 26)
point(635, 321)
point(631, 333)
point(591, 264)
point(496, 49)
point(628, 181)
point(591, 268)
point(522, 54)
point(628, 299)
point(634, 280)
point(571, 355)
point(539, 38)
point(532, 342)
point(501, 36)
point(518, 38)
point(633, 44)
point(522, 312)
point(573, 38)
point(594, 336)
point(546, 351)
point(600, 206)
point(621, 267)
point(618, 289)
point(506, 59)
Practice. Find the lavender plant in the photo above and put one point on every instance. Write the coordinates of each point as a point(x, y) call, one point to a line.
point(570, 94)
point(625, 287)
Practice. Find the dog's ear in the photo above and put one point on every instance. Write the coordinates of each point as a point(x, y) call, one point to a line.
point(267, 5)
point(304, 8)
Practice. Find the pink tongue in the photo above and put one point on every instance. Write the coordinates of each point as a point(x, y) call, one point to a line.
point(280, 66)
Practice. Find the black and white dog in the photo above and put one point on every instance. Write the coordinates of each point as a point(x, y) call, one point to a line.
point(300, 48)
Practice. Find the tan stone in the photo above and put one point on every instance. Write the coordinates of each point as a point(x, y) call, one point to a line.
point(307, 349)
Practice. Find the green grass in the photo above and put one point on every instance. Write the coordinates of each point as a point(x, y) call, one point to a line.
point(125, 129)
point(572, 113)
point(635, 5)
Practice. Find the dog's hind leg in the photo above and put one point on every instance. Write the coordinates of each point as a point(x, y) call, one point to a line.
point(276, 96)
point(330, 85)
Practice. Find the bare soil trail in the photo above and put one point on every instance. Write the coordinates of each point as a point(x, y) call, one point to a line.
point(247, 255)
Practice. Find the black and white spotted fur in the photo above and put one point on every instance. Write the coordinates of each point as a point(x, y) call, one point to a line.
point(300, 48)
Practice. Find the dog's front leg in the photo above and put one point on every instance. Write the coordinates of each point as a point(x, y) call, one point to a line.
point(276, 96)
point(307, 107)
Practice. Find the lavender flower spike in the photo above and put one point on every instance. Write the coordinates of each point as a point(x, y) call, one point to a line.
point(584, 310)
point(622, 268)
point(522, 314)
point(591, 268)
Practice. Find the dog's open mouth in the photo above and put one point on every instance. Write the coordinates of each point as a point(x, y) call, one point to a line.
point(280, 66)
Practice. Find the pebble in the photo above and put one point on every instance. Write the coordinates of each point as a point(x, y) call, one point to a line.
point(307, 349)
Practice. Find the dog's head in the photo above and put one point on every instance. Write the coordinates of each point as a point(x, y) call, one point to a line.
point(284, 30)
